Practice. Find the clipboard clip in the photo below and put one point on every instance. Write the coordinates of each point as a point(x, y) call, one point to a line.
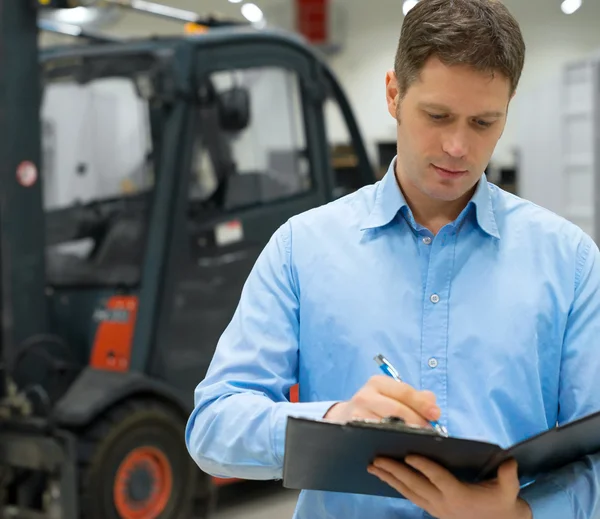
point(393, 423)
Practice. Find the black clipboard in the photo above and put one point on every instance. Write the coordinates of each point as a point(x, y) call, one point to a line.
point(330, 456)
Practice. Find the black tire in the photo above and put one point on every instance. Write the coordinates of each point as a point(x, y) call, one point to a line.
point(126, 460)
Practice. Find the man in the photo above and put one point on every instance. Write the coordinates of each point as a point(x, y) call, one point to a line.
point(486, 304)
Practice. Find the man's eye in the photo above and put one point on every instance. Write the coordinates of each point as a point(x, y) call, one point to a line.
point(483, 124)
point(437, 117)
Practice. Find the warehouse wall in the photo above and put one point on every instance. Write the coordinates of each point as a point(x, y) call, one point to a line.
point(95, 140)
point(370, 37)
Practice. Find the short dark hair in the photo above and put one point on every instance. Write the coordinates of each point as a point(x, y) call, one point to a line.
point(480, 33)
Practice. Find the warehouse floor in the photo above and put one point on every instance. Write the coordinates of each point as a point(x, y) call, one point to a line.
point(256, 500)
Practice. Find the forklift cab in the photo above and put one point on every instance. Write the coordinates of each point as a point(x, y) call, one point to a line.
point(167, 166)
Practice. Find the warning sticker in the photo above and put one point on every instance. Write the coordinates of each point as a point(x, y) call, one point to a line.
point(230, 232)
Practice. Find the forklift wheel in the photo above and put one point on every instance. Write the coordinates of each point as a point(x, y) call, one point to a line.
point(139, 467)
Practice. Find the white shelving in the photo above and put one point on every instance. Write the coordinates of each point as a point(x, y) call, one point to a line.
point(559, 144)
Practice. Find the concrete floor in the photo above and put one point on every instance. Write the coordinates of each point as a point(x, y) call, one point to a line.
point(256, 500)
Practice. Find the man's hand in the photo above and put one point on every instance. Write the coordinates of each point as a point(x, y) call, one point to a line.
point(383, 396)
point(439, 493)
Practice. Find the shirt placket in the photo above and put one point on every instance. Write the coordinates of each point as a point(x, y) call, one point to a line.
point(434, 332)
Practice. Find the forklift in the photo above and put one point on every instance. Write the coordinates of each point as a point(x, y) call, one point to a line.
point(122, 259)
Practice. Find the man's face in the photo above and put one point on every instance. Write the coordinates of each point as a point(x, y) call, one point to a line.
point(450, 121)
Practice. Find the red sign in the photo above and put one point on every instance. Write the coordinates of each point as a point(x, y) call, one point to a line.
point(312, 20)
point(27, 173)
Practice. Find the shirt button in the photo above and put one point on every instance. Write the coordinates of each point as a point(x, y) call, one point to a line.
point(435, 298)
point(432, 363)
point(427, 240)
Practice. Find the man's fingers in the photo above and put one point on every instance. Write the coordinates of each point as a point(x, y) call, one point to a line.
point(438, 475)
point(422, 402)
point(508, 476)
point(367, 415)
point(413, 480)
point(384, 406)
point(382, 397)
point(396, 484)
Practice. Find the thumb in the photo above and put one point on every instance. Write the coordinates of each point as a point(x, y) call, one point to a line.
point(508, 475)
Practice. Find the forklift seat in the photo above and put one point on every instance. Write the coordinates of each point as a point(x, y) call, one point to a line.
point(123, 244)
point(116, 262)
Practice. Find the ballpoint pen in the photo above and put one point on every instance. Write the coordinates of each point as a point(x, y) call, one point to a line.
point(389, 370)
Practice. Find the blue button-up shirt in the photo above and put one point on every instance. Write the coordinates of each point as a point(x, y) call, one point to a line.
point(498, 314)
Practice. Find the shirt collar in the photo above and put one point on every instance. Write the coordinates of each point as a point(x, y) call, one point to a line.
point(389, 200)
point(484, 208)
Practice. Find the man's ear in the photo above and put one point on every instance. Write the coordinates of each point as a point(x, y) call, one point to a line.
point(392, 93)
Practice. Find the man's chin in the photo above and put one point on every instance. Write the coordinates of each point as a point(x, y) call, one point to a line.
point(447, 194)
point(451, 191)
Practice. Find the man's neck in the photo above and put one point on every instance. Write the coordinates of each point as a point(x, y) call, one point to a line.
point(430, 213)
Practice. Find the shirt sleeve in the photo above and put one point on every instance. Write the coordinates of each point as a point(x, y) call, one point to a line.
point(237, 427)
point(573, 492)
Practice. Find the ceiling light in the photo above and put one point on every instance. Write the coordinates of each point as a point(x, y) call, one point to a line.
point(82, 16)
point(252, 13)
point(235, 1)
point(78, 15)
point(408, 5)
point(570, 6)
point(261, 24)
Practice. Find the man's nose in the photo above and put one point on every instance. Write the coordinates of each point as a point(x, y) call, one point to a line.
point(455, 143)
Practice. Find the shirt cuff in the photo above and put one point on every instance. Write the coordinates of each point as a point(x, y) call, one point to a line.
point(547, 500)
point(310, 410)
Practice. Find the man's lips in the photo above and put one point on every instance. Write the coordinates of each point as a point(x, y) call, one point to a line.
point(449, 171)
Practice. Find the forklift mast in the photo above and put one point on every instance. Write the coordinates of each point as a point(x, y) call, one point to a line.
point(22, 282)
